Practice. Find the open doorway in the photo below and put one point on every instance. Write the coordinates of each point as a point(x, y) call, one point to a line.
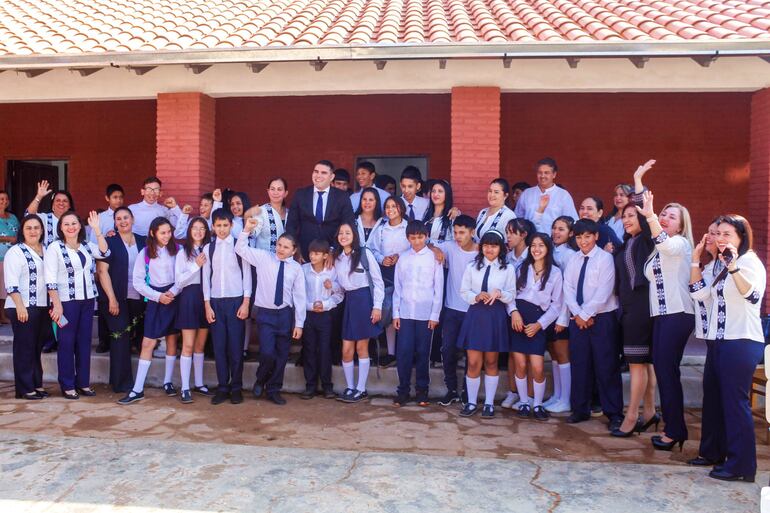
point(23, 175)
point(393, 166)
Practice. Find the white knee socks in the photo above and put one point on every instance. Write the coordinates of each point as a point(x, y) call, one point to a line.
point(490, 389)
point(141, 375)
point(473, 385)
point(197, 359)
point(169, 368)
point(565, 371)
point(347, 368)
point(539, 392)
point(185, 364)
point(556, 380)
point(521, 386)
point(363, 373)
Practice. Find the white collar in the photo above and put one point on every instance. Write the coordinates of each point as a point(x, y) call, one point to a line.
point(316, 189)
point(547, 191)
point(228, 240)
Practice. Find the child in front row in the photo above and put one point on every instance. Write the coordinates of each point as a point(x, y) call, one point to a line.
point(418, 288)
point(323, 294)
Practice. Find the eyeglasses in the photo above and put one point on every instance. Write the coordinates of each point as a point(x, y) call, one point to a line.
point(152, 189)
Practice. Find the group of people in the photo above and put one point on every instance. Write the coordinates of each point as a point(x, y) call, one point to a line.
point(529, 274)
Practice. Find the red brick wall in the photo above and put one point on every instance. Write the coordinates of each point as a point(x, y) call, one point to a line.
point(103, 141)
point(759, 194)
point(701, 143)
point(284, 136)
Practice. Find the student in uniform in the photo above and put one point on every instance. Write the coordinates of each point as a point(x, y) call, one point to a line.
point(323, 294)
point(148, 209)
point(368, 215)
point(227, 291)
point(70, 268)
point(458, 255)
point(546, 201)
point(360, 278)
point(411, 183)
point(239, 204)
point(589, 282)
point(341, 180)
point(27, 307)
point(114, 196)
point(121, 303)
point(593, 208)
point(557, 334)
point(209, 202)
point(153, 276)
point(538, 305)
point(280, 301)
point(489, 284)
point(386, 183)
point(61, 202)
point(440, 212)
point(191, 315)
point(418, 290)
point(366, 176)
point(497, 215)
point(735, 327)
point(388, 241)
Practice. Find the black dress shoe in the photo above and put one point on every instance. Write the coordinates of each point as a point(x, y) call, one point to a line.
point(700, 461)
point(309, 393)
point(88, 392)
point(42, 393)
point(70, 395)
point(724, 475)
point(236, 397)
point(575, 418)
point(32, 396)
point(329, 394)
point(276, 398)
point(220, 397)
point(257, 390)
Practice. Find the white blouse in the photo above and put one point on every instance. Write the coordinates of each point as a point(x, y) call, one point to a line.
point(161, 274)
point(550, 299)
point(367, 241)
point(186, 270)
point(269, 228)
point(500, 279)
point(357, 279)
point(435, 226)
point(562, 255)
point(668, 271)
point(497, 221)
point(387, 240)
point(65, 272)
point(24, 273)
point(598, 286)
point(316, 291)
point(703, 306)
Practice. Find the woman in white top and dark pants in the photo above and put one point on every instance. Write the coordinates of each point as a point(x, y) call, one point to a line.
point(736, 328)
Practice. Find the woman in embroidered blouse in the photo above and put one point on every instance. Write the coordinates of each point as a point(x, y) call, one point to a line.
point(26, 307)
point(735, 327)
point(497, 214)
point(70, 268)
point(9, 226)
point(272, 215)
point(61, 203)
point(368, 214)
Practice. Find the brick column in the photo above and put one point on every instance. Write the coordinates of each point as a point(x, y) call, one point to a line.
point(759, 189)
point(185, 145)
point(475, 145)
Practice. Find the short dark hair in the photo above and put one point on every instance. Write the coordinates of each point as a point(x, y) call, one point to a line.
point(28, 219)
point(341, 175)
point(465, 221)
point(416, 228)
point(221, 214)
point(121, 209)
point(327, 163)
point(585, 226)
point(548, 161)
point(503, 183)
point(383, 181)
point(411, 173)
point(152, 179)
point(207, 196)
point(598, 201)
point(520, 186)
point(319, 246)
point(67, 194)
point(366, 165)
point(81, 233)
point(113, 188)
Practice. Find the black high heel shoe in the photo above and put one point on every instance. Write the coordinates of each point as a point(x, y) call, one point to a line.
point(88, 391)
point(626, 434)
point(660, 445)
point(70, 395)
point(655, 419)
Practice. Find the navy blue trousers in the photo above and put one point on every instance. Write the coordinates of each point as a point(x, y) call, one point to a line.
point(593, 354)
point(317, 350)
point(275, 328)
point(413, 350)
point(74, 355)
point(121, 375)
point(669, 336)
point(453, 320)
point(727, 424)
point(27, 346)
point(227, 334)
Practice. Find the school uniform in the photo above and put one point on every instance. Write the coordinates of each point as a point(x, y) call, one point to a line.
point(387, 240)
point(226, 282)
point(129, 320)
point(106, 224)
point(72, 273)
point(516, 261)
point(280, 301)
point(416, 209)
point(144, 213)
point(417, 296)
point(561, 257)
point(589, 280)
point(316, 336)
point(188, 276)
point(497, 221)
point(668, 271)
point(536, 305)
point(359, 299)
point(151, 278)
point(183, 221)
point(560, 204)
point(24, 275)
point(737, 346)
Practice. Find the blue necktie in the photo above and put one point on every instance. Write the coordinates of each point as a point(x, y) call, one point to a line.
point(319, 208)
point(278, 300)
point(485, 281)
point(581, 280)
point(411, 213)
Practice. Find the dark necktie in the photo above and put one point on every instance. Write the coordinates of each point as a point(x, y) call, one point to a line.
point(278, 300)
point(411, 213)
point(581, 280)
point(485, 281)
point(319, 208)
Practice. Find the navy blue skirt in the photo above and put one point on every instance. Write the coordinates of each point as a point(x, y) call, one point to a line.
point(520, 342)
point(552, 336)
point(356, 320)
point(191, 315)
point(485, 328)
point(159, 319)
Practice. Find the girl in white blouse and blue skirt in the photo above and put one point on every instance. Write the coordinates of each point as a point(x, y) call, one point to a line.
point(489, 284)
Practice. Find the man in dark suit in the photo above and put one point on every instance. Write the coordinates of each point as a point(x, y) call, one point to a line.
point(318, 210)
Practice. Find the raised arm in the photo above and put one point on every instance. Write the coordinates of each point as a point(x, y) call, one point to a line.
point(43, 190)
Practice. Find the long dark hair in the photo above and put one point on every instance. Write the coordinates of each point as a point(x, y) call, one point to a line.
point(357, 250)
point(521, 281)
point(28, 218)
point(491, 238)
point(643, 224)
point(570, 222)
point(151, 243)
point(448, 203)
point(81, 233)
point(189, 244)
point(377, 207)
point(244, 199)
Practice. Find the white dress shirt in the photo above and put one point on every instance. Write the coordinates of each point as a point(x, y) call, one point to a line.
point(357, 279)
point(733, 315)
point(186, 270)
point(668, 271)
point(106, 224)
point(133, 252)
point(420, 206)
point(324, 198)
point(316, 291)
point(183, 221)
point(617, 226)
point(82, 280)
point(598, 285)
point(500, 279)
point(355, 198)
point(561, 257)
point(23, 275)
point(560, 204)
point(144, 213)
point(267, 266)
point(237, 228)
point(418, 286)
point(497, 221)
point(457, 260)
point(228, 279)
point(386, 240)
point(550, 299)
point(161, 274)
point(516, 261)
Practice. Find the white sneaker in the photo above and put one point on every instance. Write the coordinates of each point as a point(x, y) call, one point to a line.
point(559, 407)
point(510, 399)
point(550, 402)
